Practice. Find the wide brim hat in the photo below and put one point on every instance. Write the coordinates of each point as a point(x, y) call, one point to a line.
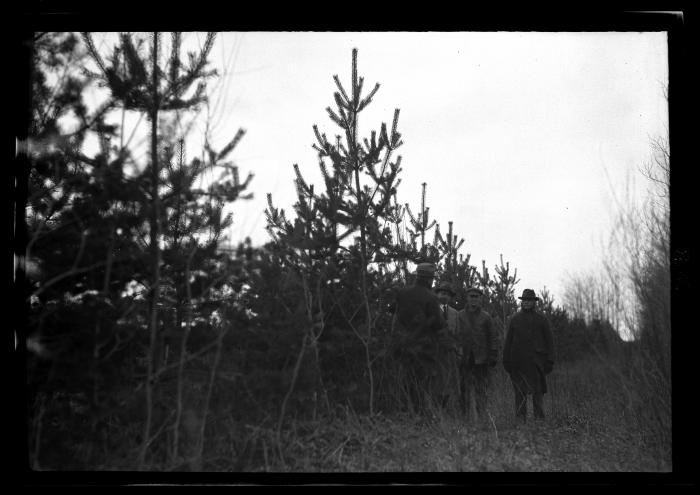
point(474, 289)
point(529, 295)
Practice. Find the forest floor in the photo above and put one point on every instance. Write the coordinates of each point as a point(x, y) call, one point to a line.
point(590, 426)
point(382, 444)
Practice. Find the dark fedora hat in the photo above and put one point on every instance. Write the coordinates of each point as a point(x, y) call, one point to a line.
point(529, 294)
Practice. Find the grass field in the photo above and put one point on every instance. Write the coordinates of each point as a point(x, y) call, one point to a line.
point(593, 425)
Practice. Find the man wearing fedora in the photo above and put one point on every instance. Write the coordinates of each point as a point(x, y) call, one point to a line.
point(479, 351)
point(528, 355)
point(450, 345)
point(418, 320)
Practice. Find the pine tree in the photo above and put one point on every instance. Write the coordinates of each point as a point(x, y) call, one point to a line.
point(348, 205)
point(421, 225)
point(119, 250)
point(78, 262)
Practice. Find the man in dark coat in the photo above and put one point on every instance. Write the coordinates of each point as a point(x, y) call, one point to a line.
point(479, 352)
point(418, 322)
point(528, 355)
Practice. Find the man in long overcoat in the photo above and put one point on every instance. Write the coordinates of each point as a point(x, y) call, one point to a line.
point(479, 351)
point(418, 321)
point(528, 355)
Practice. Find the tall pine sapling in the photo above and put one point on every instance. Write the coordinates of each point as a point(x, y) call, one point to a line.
point(359, 186)
point(179, 212)
point(421, 225)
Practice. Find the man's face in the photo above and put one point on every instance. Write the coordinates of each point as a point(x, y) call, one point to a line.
point(528, 304)
point(473, 301)
point(444, 297)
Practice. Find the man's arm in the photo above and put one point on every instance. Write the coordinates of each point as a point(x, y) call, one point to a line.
point(459, 329)
point(549, 344)
point(435, 318)
point(492, 335)
point(507, 363)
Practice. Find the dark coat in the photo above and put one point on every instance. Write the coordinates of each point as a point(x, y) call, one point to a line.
point(418, 310)
point(477, 334)
point(528, 353)
point(419, 328)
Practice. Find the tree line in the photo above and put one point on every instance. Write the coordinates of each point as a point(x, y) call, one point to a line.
point(150, 344)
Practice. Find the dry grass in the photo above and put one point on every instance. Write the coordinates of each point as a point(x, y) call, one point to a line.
point(589, 428)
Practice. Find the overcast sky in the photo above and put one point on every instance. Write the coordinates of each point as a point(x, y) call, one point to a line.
point(521, 137)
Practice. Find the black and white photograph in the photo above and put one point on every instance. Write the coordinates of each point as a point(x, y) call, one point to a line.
point(346, 252)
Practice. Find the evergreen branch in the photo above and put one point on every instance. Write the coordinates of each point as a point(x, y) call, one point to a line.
point(367, 100)
point(93, 51)
point(347, 233)
point(334, 117)
point(174, 65)
point(194, 72)
point(230, 146)
point(359, 92)
point(99, 114)
point(342, 91)
point(300, 179)
point(154, 56)
point(247, 181)
point(197, 67)
point(345, 118)
point(383, 138)
point(134, 63)
point(440, 243)
point(370, 169)
point(320, 138)
point(342, 149)
point(339, 100)
point(438, 237)
point(324, 173)
point(354, 76)
point(411, 217)
point(395, 123)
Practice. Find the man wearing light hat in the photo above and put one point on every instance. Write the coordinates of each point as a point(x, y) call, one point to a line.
point(528, 355)
point(479, 345)
point(450, 345)
point(445, 293)
point(418, 317)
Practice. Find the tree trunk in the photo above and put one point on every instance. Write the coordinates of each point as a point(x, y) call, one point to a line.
point(155, 249)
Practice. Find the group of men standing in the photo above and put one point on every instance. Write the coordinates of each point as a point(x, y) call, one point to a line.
point(465, 346)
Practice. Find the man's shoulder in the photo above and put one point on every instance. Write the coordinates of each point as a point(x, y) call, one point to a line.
point(485, 315)
point(538, 314)
point(516, 316)
point(543, 317)
point(406, 290)
point(417, 290)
